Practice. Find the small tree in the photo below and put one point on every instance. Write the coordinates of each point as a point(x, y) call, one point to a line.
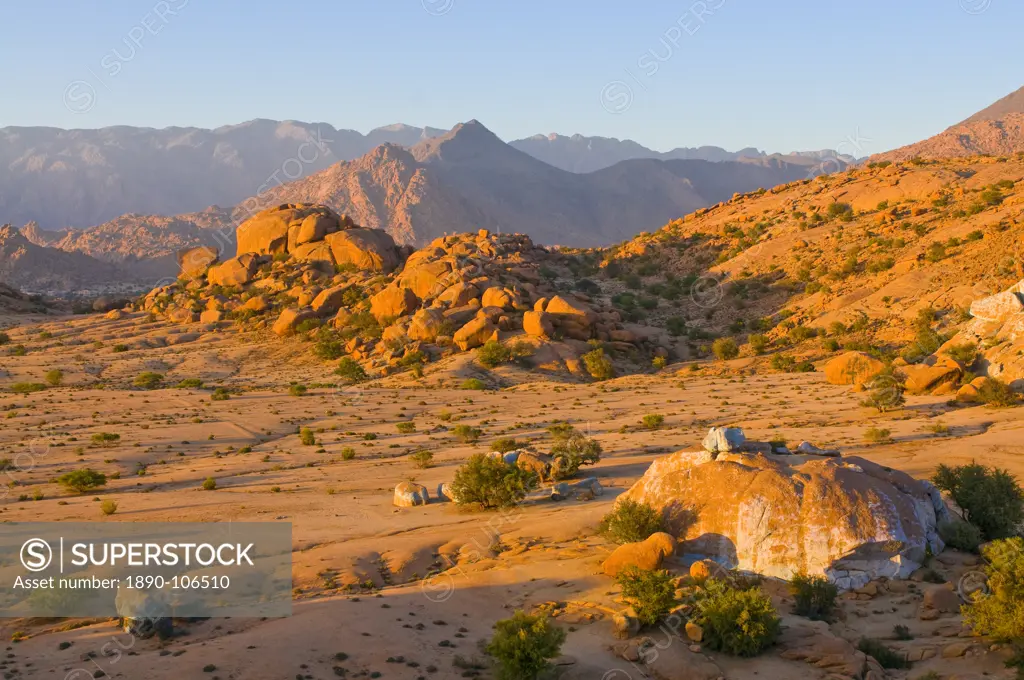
point(467, 433)
point(725, 349)
point(82, 480)
point(351, 370)
point(523, 645)
point(631, 521)
point(885, 391)
point(988, 497)
point(504, 444)
point(491, 483)
point(758, 343)
point(572, 450)
point(307, 437)
point(652, 594)
point(423, 459)
point(995, 392)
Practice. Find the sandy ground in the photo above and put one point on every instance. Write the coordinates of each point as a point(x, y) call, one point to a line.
point(360, 564)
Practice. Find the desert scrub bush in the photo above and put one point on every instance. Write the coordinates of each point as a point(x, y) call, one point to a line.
point(572, 450)
point(27, 387)
point(148, 380)
point(492, 354)
point(758, 343)
point(815, 597)
point(467, 433)
point(472, 384)
point(348, 453)
point(489, 482)
point(5, 339)
point(105, 438)
point(631, 521)
point(297, 390)
point(19, 350)
point(877, 435)
point(220, 394)
point(988, 497)
point(652, 594)
point(960, 535)
point(1000, 613)
point(82, 480)
point(522, 646)
point(108, 507)
point(966, 353)
point(885, 391)
point(406, 427)
point(422, 459)
point(55, 377)
point(349, 369)
point(886, 657)
point(189, 383)
point(738, 621)
point(209, 484)
point(307, 437)
point(504, 444)
point(659, 363)
point(598, 365)
point(725, 349)
point(995, 392)
point(653, 421)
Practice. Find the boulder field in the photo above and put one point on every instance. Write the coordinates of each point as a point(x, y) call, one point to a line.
point(301, 267)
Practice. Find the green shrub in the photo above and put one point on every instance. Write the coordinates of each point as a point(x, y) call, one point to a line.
point(815, 596)
point(653, 421)
point(1000, 613)
point(988, 497)
point(190, 383)
point(631, 521)
point(55, 377)
point(4, 338)
point(108, 507)
point(652, 594)
point(598, 365)
point(348, 453)
point(504, 444)
point(472, 384)
point(82, 480)
point(105, 438)
point(962, 536)
point(995, 392)
point(406, 427)
point(351, 370)
point(736, 621)
point(877, 435)
point(209, 484)
point(148, 380)
point(27, 387)
point(572, 450)
point(885, 391)
point(298, 390)
point(19, 350)
point(758, 343)
point(522, 646)
point(885, 656)
point(307, 325)
point(467, 433)
point(329, 345)
point(725, 349)
point(220, 394)
point(489, 482)
point(307, 437)
point(423, 459)
point(966, 353)
point(492, 353)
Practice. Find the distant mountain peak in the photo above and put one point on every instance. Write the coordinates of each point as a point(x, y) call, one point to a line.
point(464, 141)
point(1011, 103)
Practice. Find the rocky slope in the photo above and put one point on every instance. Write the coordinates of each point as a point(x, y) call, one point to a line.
point(997, 130)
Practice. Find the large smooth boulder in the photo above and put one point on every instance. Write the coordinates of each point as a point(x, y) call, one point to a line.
point(427, 280)
point(366, 249)
point(538, 324)
point(724, 440)
point(475, 333)
point(459, 294)
point(647, 554)
point(193, 262)
point(571, 309)
point(922, 379)
point(426, 325)
point(330, 300)
point(290, 318)
point(853, 368)
point(266, 232)
point(393, 302)
point(317, 253)
point(998, 307)
point(849, 519)
point(237, 271)
point(410, 494)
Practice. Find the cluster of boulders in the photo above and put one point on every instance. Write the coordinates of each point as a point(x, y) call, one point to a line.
point(301, 262)
point(849, 519)
point(733, 440)
point(997, 328)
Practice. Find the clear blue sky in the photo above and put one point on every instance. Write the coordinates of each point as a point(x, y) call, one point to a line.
point(797, 74)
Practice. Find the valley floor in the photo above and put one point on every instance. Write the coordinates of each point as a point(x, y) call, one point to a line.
point(348, 536)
